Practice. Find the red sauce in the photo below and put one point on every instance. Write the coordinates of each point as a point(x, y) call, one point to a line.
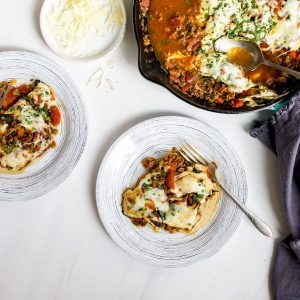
point(165, 19)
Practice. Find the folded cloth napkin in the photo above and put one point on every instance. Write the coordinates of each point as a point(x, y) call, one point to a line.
point(282, 135)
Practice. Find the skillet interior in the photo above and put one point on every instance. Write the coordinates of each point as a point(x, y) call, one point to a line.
point(152, 70)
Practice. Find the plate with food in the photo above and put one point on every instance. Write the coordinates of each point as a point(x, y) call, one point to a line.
point(177, 50)
point(83, 29)
point(159, 207)
point(43, 125)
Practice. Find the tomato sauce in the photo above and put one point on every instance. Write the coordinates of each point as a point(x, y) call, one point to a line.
point(165, 18)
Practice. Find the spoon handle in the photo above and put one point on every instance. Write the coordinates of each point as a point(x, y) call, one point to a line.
point(283, 69)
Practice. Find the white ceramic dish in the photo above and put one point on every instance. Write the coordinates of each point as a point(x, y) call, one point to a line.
point(121, 168)
point(93, 47)
point(57, 164)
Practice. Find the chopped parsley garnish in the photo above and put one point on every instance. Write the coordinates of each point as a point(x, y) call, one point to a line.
point(161, 214)
point(10, 147)
point(146, 186)
point(45, 113)
point(197, 198)
point(162, 186)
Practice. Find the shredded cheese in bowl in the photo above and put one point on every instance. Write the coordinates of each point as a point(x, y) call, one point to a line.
point(81, 28)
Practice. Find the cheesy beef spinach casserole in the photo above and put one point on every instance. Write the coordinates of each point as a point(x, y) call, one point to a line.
point(29, 121)
point(183, 32)
point(173, 195)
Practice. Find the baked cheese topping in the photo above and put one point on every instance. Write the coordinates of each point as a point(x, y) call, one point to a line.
point(255, 20)
point(173, 208)
point(28, 125)
point(286, 33)
point(251, 19)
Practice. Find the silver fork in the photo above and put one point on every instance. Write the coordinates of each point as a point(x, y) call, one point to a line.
point(193, 156)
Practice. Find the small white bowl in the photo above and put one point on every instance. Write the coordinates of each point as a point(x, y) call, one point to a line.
point(92, 48)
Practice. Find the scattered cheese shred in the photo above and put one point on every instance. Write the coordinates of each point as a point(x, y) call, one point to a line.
point(96, 78)
point(71, 22)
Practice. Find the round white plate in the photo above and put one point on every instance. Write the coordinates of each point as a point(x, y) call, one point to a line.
point(56, 165)
point(94, 46)
point(121, 169)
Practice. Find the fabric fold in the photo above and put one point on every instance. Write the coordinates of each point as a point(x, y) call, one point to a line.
point(281, 134)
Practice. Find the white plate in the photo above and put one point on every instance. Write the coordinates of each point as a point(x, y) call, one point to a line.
point(121, 169)
point(55, 166)
point(94, 46)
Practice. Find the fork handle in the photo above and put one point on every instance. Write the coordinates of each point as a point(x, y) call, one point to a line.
point(258, 222)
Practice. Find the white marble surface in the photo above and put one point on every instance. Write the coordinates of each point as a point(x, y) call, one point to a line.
point(55, 247)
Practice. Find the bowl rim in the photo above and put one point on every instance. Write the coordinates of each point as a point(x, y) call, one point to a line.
point(190, 100)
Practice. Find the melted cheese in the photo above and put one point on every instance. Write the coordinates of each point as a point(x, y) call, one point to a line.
point(287, 32)
point(31, 119)
point(181, 216)
point(17, 154)
point(41, 94)
point(175, 214)
point(17, 159)
point(221, 69)
point(3, 128)
point(251, 19)
point(158, 196)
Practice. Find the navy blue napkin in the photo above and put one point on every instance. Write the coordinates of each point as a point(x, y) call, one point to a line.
point(281, 133)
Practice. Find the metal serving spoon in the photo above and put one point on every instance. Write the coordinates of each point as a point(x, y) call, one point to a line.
point(225, 45)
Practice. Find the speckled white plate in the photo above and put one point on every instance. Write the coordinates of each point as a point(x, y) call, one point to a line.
point(94, 46)
point(56, 165)
point(121, 168)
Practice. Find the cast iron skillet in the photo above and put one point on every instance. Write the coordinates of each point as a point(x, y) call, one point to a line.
point(152, 70)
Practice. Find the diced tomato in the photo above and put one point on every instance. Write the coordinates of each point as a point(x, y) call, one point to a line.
point(170, 178)
point(191, 59)
point(188, 78)
point(55, 115)
point(11, 98)
point(220, 100)
point(177, 22)
point(145, 3)
point(37, 148)
point(185, 87)
point(52, 94)
point(293, 54)
point(263, 45)
point(238, 103)
point(173, 167)
point(24, 89)
point(20, 132)
point(277, 9)
point(174, 78)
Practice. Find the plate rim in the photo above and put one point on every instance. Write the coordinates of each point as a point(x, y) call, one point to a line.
point(109, 230)
point(19, 197)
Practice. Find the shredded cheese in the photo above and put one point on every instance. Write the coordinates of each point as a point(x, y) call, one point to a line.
point(72, 22)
